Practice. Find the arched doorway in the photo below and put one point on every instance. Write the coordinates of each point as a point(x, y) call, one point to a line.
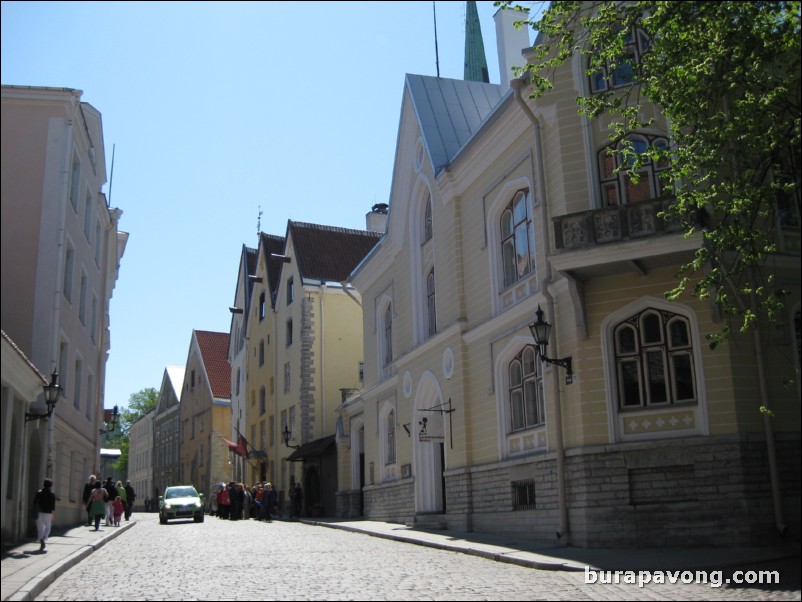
point(428, 447)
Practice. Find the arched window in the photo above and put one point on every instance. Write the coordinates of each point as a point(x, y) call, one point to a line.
point(654, 360)
point(527, 406)
point(622, 71)
point(619, 187)
point(517, 239)
point(430, 306)
point(427, 220)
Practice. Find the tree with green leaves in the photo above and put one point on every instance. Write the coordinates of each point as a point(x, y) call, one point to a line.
point(139, 404)
point(726, 76)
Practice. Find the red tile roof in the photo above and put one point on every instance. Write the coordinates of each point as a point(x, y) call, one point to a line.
point(327, 252)
point(214, 353)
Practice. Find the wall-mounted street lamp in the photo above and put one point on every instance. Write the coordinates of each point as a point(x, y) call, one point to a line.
point(52, 393)
point(286, 434)
point(541, 331)
point(111, 417)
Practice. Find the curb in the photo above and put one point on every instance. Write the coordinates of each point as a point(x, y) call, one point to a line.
point(506, 557)
point(38, 584)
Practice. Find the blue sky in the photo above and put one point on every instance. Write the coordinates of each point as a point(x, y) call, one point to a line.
point(217, 110)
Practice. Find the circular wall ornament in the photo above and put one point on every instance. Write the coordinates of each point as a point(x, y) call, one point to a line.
point(448, 363)
point(407, 384)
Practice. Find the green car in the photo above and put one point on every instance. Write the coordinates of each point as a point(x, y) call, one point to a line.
point(181, 501)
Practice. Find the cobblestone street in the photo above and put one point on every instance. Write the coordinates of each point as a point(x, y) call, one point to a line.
point(221, 560)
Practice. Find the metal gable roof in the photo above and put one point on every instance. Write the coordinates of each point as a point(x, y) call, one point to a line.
point(450, 112)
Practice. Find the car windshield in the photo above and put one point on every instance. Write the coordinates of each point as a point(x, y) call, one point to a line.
point(175, 492)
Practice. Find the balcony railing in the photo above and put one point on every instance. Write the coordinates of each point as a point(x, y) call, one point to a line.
point(612, 224)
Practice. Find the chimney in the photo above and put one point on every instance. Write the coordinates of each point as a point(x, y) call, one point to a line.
point(511, 43)
point(376, 220)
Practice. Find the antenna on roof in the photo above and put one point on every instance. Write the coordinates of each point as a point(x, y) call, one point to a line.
point(259, 223)
point(436, 52)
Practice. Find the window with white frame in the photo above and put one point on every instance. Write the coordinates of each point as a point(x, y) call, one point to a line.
point(654, 359)
point(526, 397)
point(517, 239)
point(618, 186)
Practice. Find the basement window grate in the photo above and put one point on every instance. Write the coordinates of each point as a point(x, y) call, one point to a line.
point(523, 495)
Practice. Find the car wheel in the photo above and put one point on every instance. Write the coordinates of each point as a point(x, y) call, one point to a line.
point(163, 519)
point(199, 519)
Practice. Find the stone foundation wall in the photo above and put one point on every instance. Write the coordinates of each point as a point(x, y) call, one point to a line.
point(712, 491)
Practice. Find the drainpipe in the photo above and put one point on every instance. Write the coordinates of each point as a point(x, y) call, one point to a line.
point(559, 446)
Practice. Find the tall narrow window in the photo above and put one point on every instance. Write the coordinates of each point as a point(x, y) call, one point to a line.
point(290, 291)
point(262, 401)
point(69, 261)
point(391, 438)
point(517, 240)
point(527, 404)
point(654, 359)
point(98, 243)
point(388, 335)
point(75, 183)
point(427, 220)
point(82, 300)
point(76, 398)
point(289, 333)
point(262, 307)
point(430, 306)
point(287, 377)
point(88, 218)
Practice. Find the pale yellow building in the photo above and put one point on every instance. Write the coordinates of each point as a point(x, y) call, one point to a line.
point(500, 206)
point(205, 413)
point(305, 332)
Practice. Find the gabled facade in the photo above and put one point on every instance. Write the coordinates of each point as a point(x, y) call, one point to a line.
point(307, 353)
point(205, 412)
point(166, 434)
point(237, 352)
point(61, 253)
point(501, 206)
point(260, 361)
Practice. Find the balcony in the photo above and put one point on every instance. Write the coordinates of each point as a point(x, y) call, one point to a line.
point(620, 239)
point(612, 224)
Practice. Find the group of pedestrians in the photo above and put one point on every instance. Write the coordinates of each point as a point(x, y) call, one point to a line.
point(108, 501)
point(238, 501)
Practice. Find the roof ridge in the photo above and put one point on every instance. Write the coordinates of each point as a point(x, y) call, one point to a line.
point(334, 228)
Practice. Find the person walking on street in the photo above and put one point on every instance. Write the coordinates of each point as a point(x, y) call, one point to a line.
point(111, 495)
point(97, 503)
point(45, 503)
point(130, 494)
point(88, 487)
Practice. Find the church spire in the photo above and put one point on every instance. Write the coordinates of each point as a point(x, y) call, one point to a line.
point(475, 61)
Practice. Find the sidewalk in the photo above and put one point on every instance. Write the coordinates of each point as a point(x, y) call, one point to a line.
point(26, 571)
point(535, 555)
